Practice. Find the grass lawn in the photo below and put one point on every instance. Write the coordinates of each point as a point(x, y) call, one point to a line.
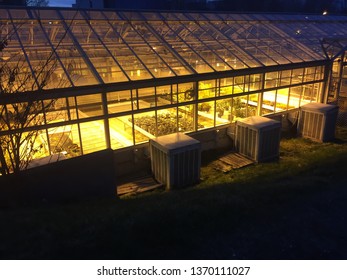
point(295, 208)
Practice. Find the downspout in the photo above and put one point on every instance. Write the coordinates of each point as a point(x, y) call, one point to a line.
point(340, 76)
point(327, 82)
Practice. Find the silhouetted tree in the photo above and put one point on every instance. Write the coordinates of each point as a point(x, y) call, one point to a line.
point(18, 119)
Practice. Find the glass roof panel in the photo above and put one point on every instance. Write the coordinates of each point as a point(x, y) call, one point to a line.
point(19, 14)
point(129, 15)
point(111, 15)
point(71, 14)
point(95, 15)
point(211, 16)
point(122, 52)
point(203, 53)
point(96, 46)
point(162, 48)
point(45, 14)
point(152, 16)
point(3, 15)
point(168, 16)
point(181, 16)
point(107, 68)
point(153, 62)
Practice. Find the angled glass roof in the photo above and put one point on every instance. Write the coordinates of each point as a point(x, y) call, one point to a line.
point(88, 47)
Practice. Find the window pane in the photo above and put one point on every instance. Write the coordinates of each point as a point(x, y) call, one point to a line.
point(271, 79)
point(146, 97)
point(164, 96)
point(223, 112)
point(226, 86)
point(295, 95)
point(254, 82)
point(89, 105)
point(65, 139)
point(93, 136)
point(207, 89)
point(285, 77)
point(121, 132)
point(186, 118)
point(206, 114)
point(166, 121)
point(119, 101)
point(297, 75)
point(239, 84)
point(186, 92)
point(144, 126)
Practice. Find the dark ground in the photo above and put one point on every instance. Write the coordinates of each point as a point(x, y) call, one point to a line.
point(293, 209)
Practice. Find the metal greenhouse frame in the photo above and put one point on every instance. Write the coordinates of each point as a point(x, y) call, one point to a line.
point(123, 77)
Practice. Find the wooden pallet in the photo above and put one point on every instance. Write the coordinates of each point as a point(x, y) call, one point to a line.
point(231, 161)
point(138, 185)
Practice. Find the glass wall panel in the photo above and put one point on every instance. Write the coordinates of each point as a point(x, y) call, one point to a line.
point(164, 96)
point(239, 107)
point(166, 121)
point(269, 101)
point(89, 105)
point(186, 118)
point(295, 96)
point(72, 105)
point(146, 97)
point(226, 86)
point(93, 136)
point(319, 72)
point(207, 89)
point(297, 75)
point(309, 74)
point(206, 114)
point(307, 94)
point(282, 99)
point(41, 147)
point(271, 79)
point(64, 139)
point(56, 110)
point(121, 131)
point(21, 115)
point(223, 111)
point(119, 101)
point(239, 84)
point(317, 89)
point(186, 92)
point(255, 82)
point(252, 105)
point(285, 78)
point(145, 126)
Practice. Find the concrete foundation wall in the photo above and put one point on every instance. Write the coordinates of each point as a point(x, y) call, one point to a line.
point(132, 160)
point(214, 139)
point(73, 179)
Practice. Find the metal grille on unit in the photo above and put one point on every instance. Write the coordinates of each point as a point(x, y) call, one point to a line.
point(176, 160)
point(317, 121)
point(258, 138)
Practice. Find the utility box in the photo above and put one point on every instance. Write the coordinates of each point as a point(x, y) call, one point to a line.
point(317, 121)
point(175, 160)
point(258, 138)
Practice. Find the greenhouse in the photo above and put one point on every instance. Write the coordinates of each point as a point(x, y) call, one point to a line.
point(87, 80)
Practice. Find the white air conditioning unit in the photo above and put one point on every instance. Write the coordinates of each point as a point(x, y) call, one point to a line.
point(258, 138)
point(317, 121)
point(175, 160)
